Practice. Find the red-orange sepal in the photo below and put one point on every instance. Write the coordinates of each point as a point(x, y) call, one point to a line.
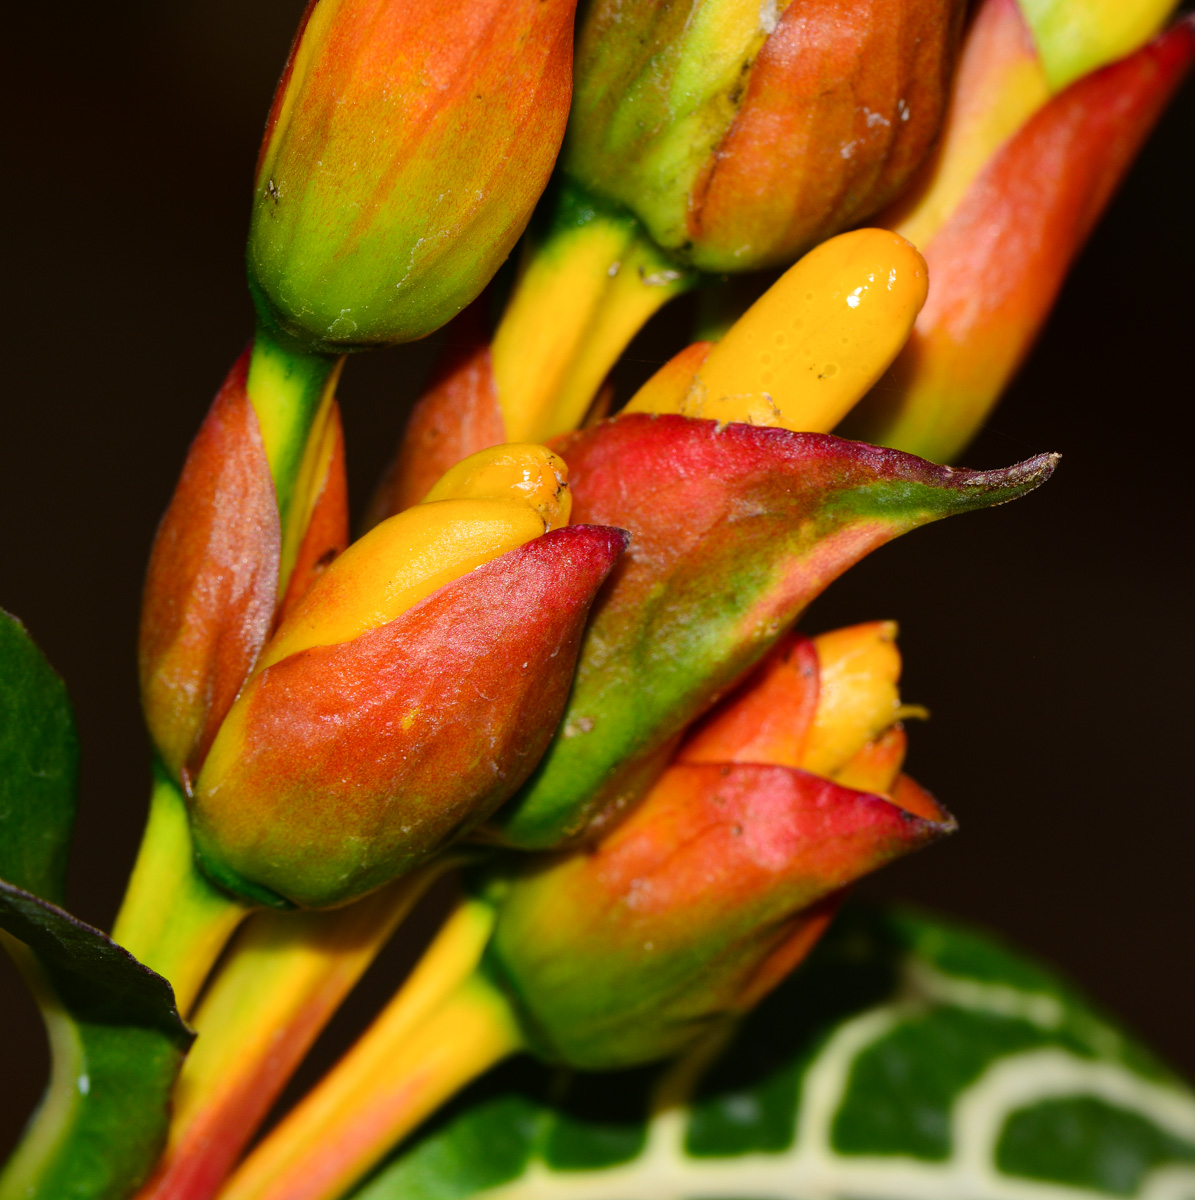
point(735, 529)
point(345, 766)
point(212, 582)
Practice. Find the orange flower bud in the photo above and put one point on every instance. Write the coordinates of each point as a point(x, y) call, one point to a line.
point(404, 153)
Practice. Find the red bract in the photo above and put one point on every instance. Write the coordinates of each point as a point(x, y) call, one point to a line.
point(735, 529)
point(212, 582)
point(690, 910)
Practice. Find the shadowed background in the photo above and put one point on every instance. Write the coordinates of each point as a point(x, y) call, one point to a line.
point(1051, 639)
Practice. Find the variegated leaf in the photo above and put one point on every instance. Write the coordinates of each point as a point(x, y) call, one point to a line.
point(910, 1059)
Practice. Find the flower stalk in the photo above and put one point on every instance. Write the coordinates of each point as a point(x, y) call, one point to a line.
point(285, 976)
point(445, 1027)
point(172, 917)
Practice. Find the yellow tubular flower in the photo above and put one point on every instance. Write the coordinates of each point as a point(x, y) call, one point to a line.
point(859, 668)
point(814, 343)
point(521, 471)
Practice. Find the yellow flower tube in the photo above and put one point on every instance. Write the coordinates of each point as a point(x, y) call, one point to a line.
point(813, 344)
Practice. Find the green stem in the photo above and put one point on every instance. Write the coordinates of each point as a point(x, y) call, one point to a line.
point(288, 386)
point(172, 919)
point(50, 1125)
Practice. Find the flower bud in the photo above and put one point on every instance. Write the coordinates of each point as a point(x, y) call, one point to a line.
point(722, 879)
point(858, 697)
point(408, 694)
point(404, 152)
point(741, 134)
point(817, 704)
point(735, 529)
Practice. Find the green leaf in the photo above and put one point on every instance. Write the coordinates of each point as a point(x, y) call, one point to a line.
point(116, 1038)
point(117, 1043)
point(39, 755)
point(909, 1059)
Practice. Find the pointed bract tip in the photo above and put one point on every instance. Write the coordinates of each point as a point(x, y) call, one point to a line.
point(1018, 480)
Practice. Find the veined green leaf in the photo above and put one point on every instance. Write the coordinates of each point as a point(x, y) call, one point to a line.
point(909, 1059)
point(116, 1039)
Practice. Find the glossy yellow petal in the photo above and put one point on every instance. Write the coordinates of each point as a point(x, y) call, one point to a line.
point(858, 671)
point(521, 471)
point(818, 339)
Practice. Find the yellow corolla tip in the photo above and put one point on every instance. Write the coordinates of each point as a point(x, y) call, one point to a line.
point(484, 507)
point(818, 339)
point(859, 669)
point(520, 471)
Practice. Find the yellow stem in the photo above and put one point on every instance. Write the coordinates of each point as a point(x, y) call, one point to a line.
point(445, 1027)
point(172, 919)
point(284, 978)
point(584, 292)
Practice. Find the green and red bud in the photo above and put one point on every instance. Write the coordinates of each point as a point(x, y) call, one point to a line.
point(734, 529)
point(740, 134)
point(404, 153)
point(408, 694)
point(723, 878)
point(998, 258)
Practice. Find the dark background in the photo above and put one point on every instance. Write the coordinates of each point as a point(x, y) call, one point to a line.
point(1051, 639)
